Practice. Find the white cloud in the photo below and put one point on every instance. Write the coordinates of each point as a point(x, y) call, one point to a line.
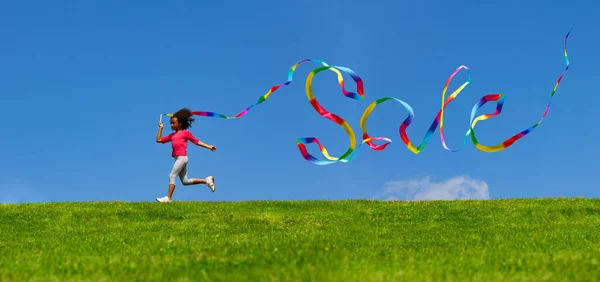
point(456, 188)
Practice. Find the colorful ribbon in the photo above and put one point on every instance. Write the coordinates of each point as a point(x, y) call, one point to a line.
point(439, 119)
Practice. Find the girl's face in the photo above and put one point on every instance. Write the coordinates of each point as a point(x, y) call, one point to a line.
point(175, 125)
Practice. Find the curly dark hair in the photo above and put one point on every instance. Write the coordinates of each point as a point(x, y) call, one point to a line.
point(184, 116)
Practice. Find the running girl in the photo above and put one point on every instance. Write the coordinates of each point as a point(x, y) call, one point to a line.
point(180, 122)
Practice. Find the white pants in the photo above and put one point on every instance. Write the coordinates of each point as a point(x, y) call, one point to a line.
point(180, 168)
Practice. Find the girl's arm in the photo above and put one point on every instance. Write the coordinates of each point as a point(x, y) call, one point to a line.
point(159, 138)
point(159, 135)
point(200, 143)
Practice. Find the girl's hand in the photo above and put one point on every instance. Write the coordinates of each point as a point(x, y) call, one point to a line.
point(212, 148)
point(160, 124)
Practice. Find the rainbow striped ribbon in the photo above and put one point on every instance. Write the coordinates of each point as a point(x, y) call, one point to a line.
point(359, 95)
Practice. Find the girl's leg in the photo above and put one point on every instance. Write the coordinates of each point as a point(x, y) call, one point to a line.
point(178, 166)
point(189, 181)
point(209, 181)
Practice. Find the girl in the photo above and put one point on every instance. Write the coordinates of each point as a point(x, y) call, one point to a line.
point(180, 122)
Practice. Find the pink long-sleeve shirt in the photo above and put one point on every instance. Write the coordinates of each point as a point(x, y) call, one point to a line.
point(179, 142)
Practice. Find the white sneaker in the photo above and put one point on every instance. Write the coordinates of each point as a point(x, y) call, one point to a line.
point(164, 199)
point(210, 182)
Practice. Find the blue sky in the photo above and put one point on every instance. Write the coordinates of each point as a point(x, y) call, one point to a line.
point(83, 84)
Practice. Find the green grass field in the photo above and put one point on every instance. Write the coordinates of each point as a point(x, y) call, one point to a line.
point(496, 240)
